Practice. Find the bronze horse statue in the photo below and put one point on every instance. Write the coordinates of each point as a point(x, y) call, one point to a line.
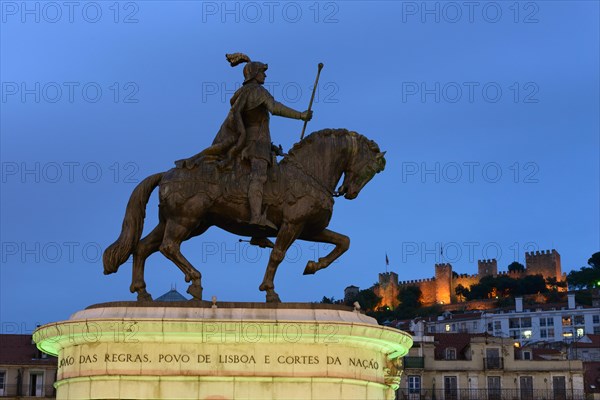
point(298, 198)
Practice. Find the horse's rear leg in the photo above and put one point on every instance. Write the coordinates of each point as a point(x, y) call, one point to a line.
point(285, 237)
point(341, 242)
point(176, 232)
point(144, 249)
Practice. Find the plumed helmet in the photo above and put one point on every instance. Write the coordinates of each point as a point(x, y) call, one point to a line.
point(251, 69)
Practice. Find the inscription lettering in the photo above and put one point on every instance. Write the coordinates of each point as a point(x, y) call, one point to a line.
point(298, 359)
point(204, 359)
point(168, 358)
point(366, 364)
point(333, 360)
point(236, 359)
point(124, 357)
point(83, 359)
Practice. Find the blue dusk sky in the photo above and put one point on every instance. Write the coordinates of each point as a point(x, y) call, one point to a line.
point(488, 111)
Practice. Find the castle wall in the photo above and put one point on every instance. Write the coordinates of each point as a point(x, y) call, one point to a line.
point(442, 288)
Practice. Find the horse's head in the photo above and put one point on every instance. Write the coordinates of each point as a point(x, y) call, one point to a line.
point(364, 162)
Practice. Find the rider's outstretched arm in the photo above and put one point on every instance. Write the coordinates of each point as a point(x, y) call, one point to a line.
point(276, 108)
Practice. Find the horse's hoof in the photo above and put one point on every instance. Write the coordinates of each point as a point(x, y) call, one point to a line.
point(187, 278)
point(273, 297)
point(311, 268)
point(195, 291)
point(264, 287)
point(144, 296)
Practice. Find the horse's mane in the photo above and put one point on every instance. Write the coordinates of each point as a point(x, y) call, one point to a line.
point(298, 148)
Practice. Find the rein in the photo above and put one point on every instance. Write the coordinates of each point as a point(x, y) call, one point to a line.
point(300, 167)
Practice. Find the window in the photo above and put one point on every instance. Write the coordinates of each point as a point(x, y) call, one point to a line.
point(36, 384)
point(494, 389)
point(596, 319)
point(526, 355)
point(526, 387)
point(450, 353)
point(579, 332)
point(597, 330)
point(579, 320)
point(450, 388)
point(550, 321)
point(559, 387)
point(474, 326)
point(542, 321)
point(2, 382)
point(414, 386)
point(447, 328)
point(492, 360)
point(497, 325)
point(566, 320)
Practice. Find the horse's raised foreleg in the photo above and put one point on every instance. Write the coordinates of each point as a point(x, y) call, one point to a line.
point(341, 242)
point(176, 232)
point(285, 237)
point(144, 249)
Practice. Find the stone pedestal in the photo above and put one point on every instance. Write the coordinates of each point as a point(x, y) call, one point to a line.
point(233, 351)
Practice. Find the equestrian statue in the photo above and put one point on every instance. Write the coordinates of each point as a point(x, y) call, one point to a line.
point(238, 185)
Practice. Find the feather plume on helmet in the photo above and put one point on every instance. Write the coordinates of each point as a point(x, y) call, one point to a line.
point(237, 58)
point(251, 69)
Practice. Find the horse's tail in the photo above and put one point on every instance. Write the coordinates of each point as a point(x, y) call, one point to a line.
point(133, 223)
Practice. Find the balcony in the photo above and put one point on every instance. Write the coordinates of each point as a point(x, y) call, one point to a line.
point(488, 394)
point(414, 362)
point(493, 363)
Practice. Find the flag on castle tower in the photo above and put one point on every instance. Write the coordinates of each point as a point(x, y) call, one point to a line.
point(387, 260)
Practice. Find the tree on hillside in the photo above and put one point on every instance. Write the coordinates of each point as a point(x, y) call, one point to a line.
point(410, 297)
point(461, 292)
point(586, 277)
point(516, 266)
point(367, 299)
point(531, 284)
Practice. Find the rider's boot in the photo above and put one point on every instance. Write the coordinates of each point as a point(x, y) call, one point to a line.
point(262, 242)
point(257, 218)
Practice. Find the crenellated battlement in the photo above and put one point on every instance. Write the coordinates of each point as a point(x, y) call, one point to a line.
point(415, 281)
point(387, 278)
point(540, 253)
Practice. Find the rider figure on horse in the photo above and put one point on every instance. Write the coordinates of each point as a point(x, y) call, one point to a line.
point(246, 129)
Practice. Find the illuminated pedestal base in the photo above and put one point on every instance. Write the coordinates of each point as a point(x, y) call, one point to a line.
point(235, 351)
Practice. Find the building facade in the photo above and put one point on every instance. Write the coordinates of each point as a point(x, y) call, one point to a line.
point(25, 372)
point(541, 322)
point(481, 367)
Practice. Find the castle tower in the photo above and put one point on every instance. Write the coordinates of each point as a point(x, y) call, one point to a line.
point(350, 293)
point(443, 283)
point(545, 263)
point(487, 267)
point(388, 290)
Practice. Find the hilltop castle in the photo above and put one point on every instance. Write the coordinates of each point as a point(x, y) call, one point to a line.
point(441, 288)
